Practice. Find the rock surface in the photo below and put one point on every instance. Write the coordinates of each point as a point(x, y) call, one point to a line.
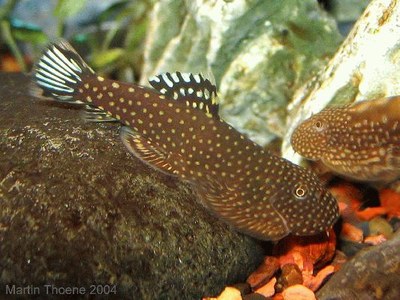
point(77, 209)
point(374, 273)
point(259, 52)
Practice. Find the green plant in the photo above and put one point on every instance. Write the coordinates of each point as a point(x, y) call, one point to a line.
point(114, 49)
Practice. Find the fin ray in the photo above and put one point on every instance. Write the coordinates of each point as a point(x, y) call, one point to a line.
point(192, 89)
point(94, 114)
point(230, 205)
point(59, 71)
point(147, 151)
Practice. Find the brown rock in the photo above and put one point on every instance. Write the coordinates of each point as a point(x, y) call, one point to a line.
point(373, 273)
point(77, 209)
point(291, 275)
point(264, 272)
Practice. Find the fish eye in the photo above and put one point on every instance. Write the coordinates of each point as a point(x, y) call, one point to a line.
point(300, 191)
point(318, 125)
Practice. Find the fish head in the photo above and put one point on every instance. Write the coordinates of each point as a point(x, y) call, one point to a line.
point(311, 138)
point(305, 205)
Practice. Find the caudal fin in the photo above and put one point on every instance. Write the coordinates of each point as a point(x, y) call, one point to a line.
point(58, 73)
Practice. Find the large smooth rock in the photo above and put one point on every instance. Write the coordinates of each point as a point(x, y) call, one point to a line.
point(77, 209)
point(374, 273)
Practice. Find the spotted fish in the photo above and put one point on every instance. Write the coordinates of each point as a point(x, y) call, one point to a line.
point(175, 128)
point(359, 141)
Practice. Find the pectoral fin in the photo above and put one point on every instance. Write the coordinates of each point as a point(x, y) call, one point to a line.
point(147, 151)
point(254, 217)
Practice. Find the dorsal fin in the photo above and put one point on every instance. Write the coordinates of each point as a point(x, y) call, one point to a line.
point(195, 90)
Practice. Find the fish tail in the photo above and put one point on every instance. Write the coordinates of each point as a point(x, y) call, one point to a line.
point(59, 72)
